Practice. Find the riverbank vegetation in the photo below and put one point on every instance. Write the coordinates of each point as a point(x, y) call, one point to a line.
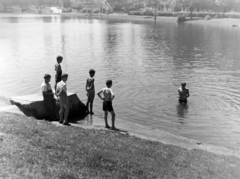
point(38, 149)
point(139, 7)
point(189, 8)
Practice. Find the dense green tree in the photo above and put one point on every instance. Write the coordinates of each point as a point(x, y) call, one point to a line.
point(66, 3)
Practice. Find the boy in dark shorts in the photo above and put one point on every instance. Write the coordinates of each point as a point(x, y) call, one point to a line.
point(107, 98)
point(183, 93)
point(90, 88)
point(48, 98)
point(58, 70)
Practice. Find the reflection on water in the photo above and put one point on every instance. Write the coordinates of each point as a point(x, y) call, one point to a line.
point(182, 110)
point(147, 62)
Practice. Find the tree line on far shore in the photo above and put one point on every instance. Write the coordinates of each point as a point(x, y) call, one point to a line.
point(129, 5)
point(192, 5)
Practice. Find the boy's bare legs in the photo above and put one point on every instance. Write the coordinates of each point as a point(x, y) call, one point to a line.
point(113, 120)
point(87, 105)
point(91, 104)
point(66, 114)
point(106, 122)
point(61, 113)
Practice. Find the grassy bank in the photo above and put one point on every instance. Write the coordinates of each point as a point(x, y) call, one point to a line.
point(38, 149)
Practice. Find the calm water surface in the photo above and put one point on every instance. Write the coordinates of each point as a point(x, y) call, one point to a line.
point(147, 61)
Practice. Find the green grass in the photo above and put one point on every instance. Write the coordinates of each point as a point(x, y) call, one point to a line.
point(38, 149)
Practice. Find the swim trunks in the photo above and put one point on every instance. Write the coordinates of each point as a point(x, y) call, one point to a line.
point(182, 100)
point(107, 106)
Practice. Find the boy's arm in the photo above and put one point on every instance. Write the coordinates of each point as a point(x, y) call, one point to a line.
point(62, 90)
point(112, 95)
point(58, 92)
point(99, 95)
point(91, 84)
point(87, 85)
point(57, 68)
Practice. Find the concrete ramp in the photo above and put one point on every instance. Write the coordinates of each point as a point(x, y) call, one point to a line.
point(12, 109)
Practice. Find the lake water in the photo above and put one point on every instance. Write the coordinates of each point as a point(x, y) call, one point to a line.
point(147, 61)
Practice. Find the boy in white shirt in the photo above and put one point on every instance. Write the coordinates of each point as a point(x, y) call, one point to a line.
point(48, 97)
point(107, 98)
point(61, 93)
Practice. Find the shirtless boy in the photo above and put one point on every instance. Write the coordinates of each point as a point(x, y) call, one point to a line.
point(58, 70)
point(183, 93)
point(61, 93)
point(90, 88)
point(107, 98)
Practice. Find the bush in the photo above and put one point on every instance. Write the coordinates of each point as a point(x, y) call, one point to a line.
point(86, 10)
point(67, 10)
point(207, 17)
point(96, 11)
point(77, 6)
point(181, 18)
point(232, 15)
point(145, 12)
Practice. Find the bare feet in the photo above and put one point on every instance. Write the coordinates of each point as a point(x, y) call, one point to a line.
point(115, 129)
point(66, 124)
point(108, 127)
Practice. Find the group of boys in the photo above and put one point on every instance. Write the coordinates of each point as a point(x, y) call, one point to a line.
point(62, 98)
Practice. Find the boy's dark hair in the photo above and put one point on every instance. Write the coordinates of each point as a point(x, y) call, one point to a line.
point(91, 71)
point(47, 76)
point(59, 58)
point(64, 75)
point(108, 82)
point(183, 84)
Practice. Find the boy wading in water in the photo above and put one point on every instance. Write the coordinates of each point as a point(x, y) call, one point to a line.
point(107, 98)
point(48, 98)
point(183, 93)
point(90, 91)
point(58, 70)
point(61, 93)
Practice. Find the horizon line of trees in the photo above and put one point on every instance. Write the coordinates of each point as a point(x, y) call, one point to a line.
point(192, 5)
point(171, 5)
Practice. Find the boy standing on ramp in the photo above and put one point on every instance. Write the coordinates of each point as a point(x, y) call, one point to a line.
point(107, 98)
point(61, 93)
point(90, 91)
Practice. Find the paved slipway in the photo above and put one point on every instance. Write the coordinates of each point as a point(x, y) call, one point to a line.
point(95, 122)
